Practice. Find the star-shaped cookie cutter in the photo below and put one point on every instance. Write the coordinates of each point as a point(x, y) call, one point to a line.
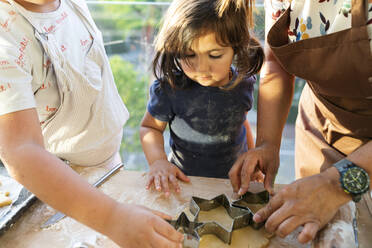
point(252, 198)
point(241, 217)
point(238, 211)
point(183, 224)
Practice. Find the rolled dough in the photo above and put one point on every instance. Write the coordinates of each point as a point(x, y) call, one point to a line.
point(243, 237)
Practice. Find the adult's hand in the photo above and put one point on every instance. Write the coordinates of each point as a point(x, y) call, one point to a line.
point(139, 227)
point(264, 158)
point(310, 202)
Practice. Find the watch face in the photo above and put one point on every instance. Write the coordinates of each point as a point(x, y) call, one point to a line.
point(356, 180)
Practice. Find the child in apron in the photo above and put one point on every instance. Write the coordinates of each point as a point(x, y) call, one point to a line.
point(327, 43)
point(58, 101)
point(199, 94)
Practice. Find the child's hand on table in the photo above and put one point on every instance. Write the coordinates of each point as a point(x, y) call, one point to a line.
point(162, 173)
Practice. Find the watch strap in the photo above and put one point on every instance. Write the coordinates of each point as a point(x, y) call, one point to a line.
point(343, 164)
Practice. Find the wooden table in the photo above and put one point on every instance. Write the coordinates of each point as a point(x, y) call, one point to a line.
point(125, 186)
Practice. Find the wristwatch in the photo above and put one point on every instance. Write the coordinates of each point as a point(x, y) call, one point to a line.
point(354, 180)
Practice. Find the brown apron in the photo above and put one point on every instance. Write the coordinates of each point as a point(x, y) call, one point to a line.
point(335, 109)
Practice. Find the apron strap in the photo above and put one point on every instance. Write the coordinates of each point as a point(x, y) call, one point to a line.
point(20, 10)
point(75, 7)
point(358, 13)
point(84, 14)
point(277, 36)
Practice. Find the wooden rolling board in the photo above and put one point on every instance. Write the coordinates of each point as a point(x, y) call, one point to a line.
point(126, 186)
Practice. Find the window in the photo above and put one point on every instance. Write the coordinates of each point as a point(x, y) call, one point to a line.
point(128, 29)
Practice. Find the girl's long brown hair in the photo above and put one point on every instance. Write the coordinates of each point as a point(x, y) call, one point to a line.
point(187, 20)
point(248, 5)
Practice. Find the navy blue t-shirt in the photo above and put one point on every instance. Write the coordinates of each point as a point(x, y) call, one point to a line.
point(206, 124)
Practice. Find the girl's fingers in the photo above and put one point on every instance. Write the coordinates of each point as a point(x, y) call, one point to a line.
point(182, 176)
point(157, 183)
point(164, 183)
point(174, 182)
point(150, 180)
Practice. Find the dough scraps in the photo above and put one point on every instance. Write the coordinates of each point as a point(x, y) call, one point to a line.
point(5, 199)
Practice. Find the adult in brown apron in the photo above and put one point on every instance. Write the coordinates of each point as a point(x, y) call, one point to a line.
point(334, 120)
point(335, 110)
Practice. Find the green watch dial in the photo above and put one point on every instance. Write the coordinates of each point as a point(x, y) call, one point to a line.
point(355, 180)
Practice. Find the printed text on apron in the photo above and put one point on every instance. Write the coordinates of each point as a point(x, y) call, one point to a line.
point(87, 127)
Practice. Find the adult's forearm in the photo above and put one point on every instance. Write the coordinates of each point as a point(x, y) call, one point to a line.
point(56, 184)
point(363, 158)
point(274, 101)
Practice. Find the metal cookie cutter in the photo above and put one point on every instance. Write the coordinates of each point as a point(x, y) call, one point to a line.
point(184, 225)
point(241, 217)
point(252, 198)
point(194, 229)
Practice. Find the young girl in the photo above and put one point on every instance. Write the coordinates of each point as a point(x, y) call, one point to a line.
point(199, 93)
point(58, 100)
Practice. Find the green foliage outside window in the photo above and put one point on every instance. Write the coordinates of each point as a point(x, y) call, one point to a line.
point(130, 21)
point(132, 88)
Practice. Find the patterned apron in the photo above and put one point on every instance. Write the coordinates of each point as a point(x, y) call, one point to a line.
point(335, 109)
point(87, 127)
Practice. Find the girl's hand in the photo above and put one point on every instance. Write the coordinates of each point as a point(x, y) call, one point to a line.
point(162, 173)
point(137, 226)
